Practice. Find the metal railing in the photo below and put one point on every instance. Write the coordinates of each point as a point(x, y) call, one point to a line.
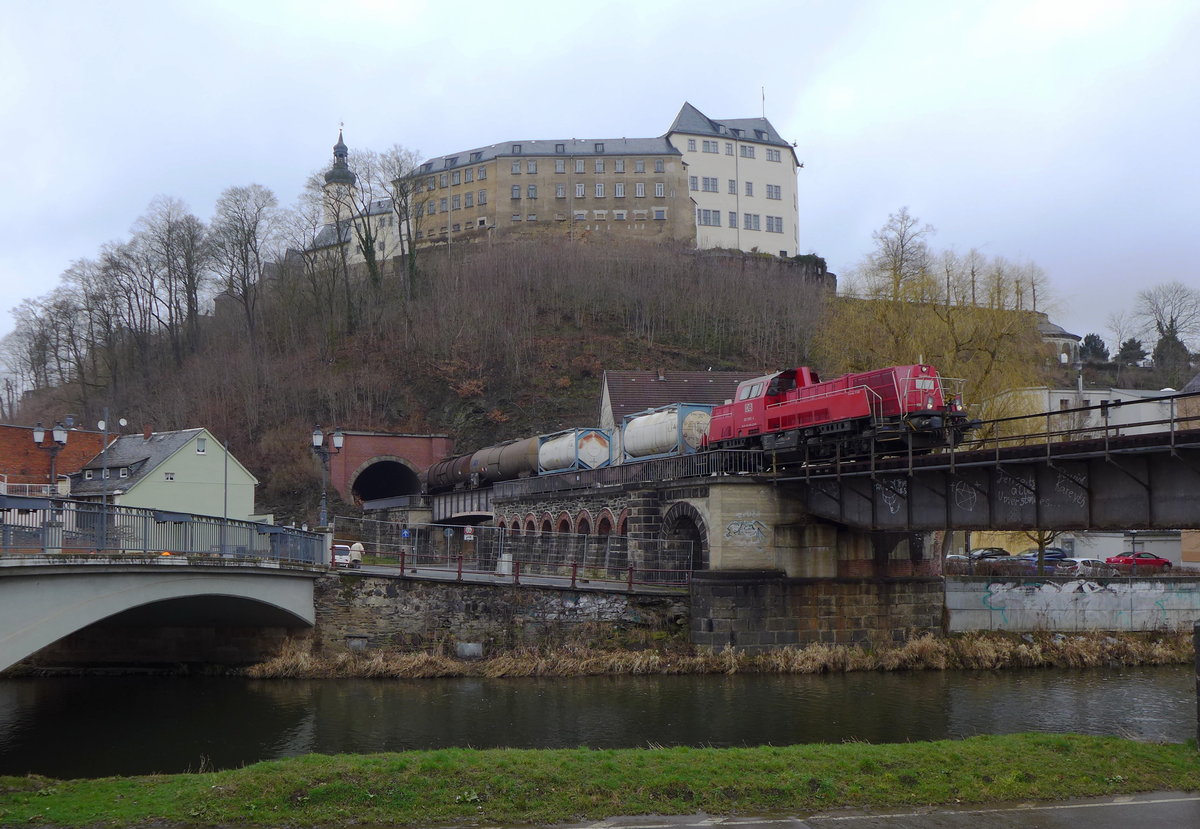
point(27, 490)
point(62, 527)
point(510, 556)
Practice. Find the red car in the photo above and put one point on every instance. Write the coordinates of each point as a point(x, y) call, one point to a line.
point(1135, 560)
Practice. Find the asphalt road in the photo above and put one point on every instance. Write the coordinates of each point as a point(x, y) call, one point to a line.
point(1160, 810)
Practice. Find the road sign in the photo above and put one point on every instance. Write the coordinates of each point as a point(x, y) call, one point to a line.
point(405, 534)
point(449, 533)
point(468, 533)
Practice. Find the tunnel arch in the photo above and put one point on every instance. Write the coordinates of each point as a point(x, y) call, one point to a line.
point(683, 522)
point(384, 476)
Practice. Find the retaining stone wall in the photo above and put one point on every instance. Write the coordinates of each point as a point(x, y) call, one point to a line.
point(764, 609)
point(572, 504)
point(357, 611)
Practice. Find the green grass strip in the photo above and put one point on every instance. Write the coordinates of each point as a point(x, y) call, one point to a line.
point(515, 786)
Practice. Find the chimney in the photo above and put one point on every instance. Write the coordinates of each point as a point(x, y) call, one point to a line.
point(147, 431)
point(661, 376)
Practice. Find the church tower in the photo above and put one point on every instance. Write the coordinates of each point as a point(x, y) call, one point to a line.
point(339, 184)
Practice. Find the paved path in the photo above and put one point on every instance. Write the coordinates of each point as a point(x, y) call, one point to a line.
point(1160, 810)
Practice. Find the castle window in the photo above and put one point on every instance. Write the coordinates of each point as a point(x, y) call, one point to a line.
point(516, 148)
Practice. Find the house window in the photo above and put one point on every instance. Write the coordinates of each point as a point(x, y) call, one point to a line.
point(531, 166)
point(658, 165)
point(659, 189)
point(774, 191)
point(619, 190)
point(430, 183)
point(201, 445)
point(516, 191)
point(516, 168)
point(749, 188)
point(516, 148)
point(532, 217)
point(560, 165)
point(469, 200)
point(600, 215)
point(580, 215)
point(579, 190)
point(694, 183)
point(560, 148)
point(483, 196)
point(455, 204)
point(746, 151)
point(751, 221)
point(660, 214)
point(728, 148)
point(516, 217)
point(168, 476)
point(711, 218)
point(599, 165)
point(619, 165)
point(619, 215)
point(599, 189)
point(733, 218)
point(87, 474)
point(455, 227)
point(560, 191)
point(599, 147)
point(773, 155)
point(710, 184)
point(774, 224)
point(579, 165)
point(639, 166)
point(482, 174)
point(442, 180)
point(691, 145)
point(639, 190)
point(456, 177)
point(469, 175)
point(442, 205)
point(531, 191)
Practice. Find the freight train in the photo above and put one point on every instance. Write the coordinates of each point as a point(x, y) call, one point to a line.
point(792, 414)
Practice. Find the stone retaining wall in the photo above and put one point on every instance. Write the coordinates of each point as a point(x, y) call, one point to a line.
point(361, 612)
point(764, 609)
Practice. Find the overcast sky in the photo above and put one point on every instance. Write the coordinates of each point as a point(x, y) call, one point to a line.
point(1063, 133)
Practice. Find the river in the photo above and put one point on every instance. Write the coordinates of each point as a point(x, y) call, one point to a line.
point(68, 727)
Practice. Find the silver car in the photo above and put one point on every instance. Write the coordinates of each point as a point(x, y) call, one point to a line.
point(1088, 567)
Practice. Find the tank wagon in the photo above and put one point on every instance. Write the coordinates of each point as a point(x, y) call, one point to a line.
point(792, 413)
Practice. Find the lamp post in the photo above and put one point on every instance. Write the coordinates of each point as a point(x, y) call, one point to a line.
point(58, 437)
point(322, 451)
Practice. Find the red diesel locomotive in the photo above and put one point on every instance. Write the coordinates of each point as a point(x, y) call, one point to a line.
point(885, 411)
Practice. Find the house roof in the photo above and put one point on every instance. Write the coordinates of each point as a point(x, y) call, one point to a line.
point(630, 392)
point(694, 122)
point(540, 148)
point(137, 453)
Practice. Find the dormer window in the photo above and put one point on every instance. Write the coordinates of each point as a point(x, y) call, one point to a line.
point(599, 147)
point(560, 148)
point(201, 446)
point(516, 148)
point(168, 476)
point(476, 156)
point(87, 474)
point(450, 162)
point(124, 472)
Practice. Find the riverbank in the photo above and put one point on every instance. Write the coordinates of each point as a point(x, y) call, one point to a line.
point(974, 651)
point(457, 786)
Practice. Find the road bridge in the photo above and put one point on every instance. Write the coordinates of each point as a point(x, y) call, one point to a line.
point(45, 598)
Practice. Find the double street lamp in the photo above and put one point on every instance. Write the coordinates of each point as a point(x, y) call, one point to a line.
point(58, 437)
point(323, 451)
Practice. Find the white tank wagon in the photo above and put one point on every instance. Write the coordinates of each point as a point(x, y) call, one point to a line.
point(677, 429)
point(574, 449)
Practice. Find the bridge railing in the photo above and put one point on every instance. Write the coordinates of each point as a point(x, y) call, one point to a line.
point(63, 527)
point(513, 555)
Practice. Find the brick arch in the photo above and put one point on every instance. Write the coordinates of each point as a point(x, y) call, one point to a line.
point(514, 524)
point(531, 525)
point(547, 525)
point(563, 524)
point(606, 524)
point(623, 522)
point(683, 522)
point(584, 523)
point(381, 475)
point(500, 524)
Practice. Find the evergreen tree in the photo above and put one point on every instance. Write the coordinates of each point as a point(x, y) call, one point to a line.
point(1131, 353)
point(1093, 349)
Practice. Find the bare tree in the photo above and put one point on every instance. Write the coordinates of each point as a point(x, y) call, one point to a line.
point(1172, 306)
point(901, 254)
point(396, 170)
point(244, 236)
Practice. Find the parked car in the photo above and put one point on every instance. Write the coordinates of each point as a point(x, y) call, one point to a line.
point(1089, 567)
point(345, 556)
point(988, 552)
point(1050, 554)
point(1134, 561)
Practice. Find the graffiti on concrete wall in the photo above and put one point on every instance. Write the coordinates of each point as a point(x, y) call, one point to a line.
point(746, 530)
point(1079, 604)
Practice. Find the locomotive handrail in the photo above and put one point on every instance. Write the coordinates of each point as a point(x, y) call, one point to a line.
point(874, 400)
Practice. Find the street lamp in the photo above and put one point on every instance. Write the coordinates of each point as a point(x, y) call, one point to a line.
point(58, 437)
point(323, 452)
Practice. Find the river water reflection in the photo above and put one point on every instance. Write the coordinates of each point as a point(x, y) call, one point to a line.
point(97, 726)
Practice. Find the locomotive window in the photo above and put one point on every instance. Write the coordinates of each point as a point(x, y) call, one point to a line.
point(925, 383)
point(747, 392)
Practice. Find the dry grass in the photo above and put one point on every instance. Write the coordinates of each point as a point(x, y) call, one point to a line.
point(974, 651)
